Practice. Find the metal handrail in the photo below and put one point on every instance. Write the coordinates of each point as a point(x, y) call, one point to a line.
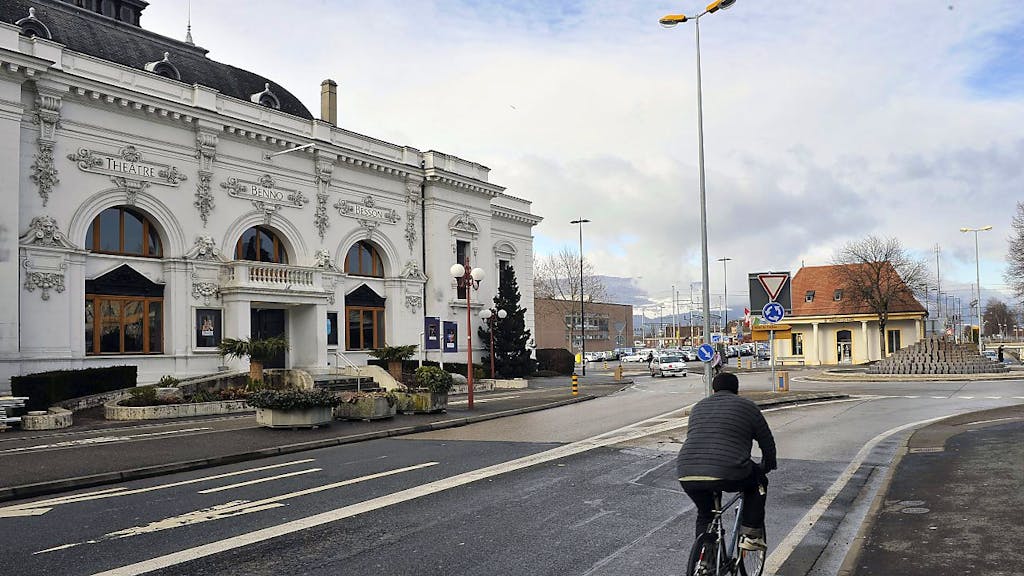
point(339, 358)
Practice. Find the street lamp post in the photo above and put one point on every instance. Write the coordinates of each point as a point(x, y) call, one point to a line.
point(488, 315)
point(470, 280)
point(725, 302)
point(668, 22)
point(977, 278)
point(583, 318)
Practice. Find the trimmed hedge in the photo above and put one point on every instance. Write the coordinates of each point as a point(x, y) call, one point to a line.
point(557, 360)
point(45, 389)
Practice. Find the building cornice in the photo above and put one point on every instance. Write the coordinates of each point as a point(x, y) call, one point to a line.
point(455, 181)
point(515, 215)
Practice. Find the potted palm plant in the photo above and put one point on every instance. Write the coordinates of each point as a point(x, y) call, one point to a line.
point(258, 351)
point(293, 408)
point(394, 355)
point(430, 393)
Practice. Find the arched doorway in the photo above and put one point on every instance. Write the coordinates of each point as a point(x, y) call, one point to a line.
point(844, 347)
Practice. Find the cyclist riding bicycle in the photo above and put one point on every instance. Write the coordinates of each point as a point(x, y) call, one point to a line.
point(716, 457)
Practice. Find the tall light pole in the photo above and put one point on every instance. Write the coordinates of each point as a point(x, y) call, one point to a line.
point(977, 278)
point(583, 317)
point(488, 315)
point(668, 22)
point(725, 288)
point(470, 280)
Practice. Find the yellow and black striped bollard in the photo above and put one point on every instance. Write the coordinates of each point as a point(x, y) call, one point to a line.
point(575, 385)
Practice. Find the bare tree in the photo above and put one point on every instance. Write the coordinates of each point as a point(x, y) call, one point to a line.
point(1015, 257)
point(557, 277)
point(879, 275)
point(997, 316)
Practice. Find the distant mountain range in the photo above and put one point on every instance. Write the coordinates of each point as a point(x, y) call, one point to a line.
point(625, 291)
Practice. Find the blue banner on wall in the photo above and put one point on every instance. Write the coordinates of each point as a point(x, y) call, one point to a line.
point(432, 332)
point(451, 337)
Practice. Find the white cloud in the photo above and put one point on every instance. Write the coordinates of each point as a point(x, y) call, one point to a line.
point(824, 121)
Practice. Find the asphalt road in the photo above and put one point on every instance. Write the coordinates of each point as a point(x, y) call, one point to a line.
point(584, 489)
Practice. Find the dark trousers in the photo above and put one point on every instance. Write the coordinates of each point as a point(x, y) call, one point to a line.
point(702, 492)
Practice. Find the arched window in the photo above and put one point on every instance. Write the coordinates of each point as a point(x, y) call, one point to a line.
point(260, 245)
point(122, 230)
point(364, 260)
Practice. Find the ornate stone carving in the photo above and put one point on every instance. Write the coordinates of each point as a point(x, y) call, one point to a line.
point(367, 213)
point(127, 165)
point(205, 248)
point(44, 174)
point(320, 218)
point(412, 202)
point(413, 302)
point(172, 175)
point(412, 271)
point(206, 150)
point(204, 197)
point(322, 259)
point(43, 231)
point(47, 116)
point(85, 159)
point(465, 223)
point(265, 195)
point(131, 188)
point(204, 290)
point(45, 281)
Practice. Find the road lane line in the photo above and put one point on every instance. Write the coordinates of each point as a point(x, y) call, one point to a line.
point(258, 481)
point(618, 436)
point(231, 509)
point(481, 400)
point(782, 552)
point(44, 506)
point(966, 397)
point(96, 440)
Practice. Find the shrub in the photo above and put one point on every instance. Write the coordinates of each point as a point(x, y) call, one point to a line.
point(168, 381)
point(350, 397)
point(557, 360)
point(293, 399)
point(47, 388)
point(434, 379)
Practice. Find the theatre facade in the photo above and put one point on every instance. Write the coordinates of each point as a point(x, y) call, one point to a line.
point(156, 201)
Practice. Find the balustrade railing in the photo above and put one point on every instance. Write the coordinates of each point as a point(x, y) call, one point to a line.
point(244, 273)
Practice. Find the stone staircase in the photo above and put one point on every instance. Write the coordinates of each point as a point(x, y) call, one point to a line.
point(343, 382)
point(936, 355)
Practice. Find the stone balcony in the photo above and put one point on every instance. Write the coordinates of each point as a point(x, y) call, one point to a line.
point(264, 278)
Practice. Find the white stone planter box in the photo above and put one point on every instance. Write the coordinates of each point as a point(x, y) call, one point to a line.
point(421, 402)
point(52, 419)
point(114, 412)
point(299, 418)
point(368, 408)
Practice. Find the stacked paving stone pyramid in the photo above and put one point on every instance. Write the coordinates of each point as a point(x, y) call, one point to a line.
point(936, 355)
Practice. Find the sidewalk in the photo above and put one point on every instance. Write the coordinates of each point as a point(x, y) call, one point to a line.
point(96, 451)
point(952, 504)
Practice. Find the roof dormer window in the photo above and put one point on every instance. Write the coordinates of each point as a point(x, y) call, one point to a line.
point(32, 27)
point(164, 68)
point(266, 98)
point(837, 295)
point(809, 297)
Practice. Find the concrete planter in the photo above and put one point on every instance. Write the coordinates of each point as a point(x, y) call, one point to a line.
point(294, 418)
point(366, 408)
point(421, 402)
point(112, 411)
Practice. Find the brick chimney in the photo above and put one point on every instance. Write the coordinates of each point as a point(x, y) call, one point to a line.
point(329, 101)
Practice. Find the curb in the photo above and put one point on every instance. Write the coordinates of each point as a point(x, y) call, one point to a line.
point(42, 488)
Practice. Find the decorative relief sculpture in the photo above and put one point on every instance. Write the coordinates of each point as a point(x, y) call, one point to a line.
point(204, 197)
point(204, 290)
point(265, 195)
point(412, 271)
point(465, 223)
point(413, 302)
point(45, 281)
point(320, 218)
point(44, 174)
point(367, 213)
point(127, 169)
point(322, 259)
point(205, 248)
point(47, 117)
point(43, 231)
point(412, 188)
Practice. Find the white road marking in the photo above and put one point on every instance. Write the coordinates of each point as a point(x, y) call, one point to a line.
point(790, 542)
point(994, 397)
point(940, 397)
point(624, 434)
point(485, 399)
point(43, 506)
point(259, 481)
point(233, 508)
point(96, 440)
point(966, 397)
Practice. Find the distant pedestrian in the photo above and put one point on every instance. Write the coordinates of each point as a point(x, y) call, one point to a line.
point(650, 359)
point(999, 354)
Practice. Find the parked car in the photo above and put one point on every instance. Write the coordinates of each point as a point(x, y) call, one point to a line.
point(634, 357)
point(665, 364)
point(689, 354)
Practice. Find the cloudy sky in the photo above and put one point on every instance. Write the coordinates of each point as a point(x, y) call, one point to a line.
point(823, 121)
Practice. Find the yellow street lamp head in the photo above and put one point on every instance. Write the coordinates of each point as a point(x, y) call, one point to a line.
point(719, 5)
point(986, 227)
point(672, 19)
point(965, 229)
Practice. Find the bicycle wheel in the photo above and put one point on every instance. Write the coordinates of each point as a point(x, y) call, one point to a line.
point(752, 562)
point(703, 556)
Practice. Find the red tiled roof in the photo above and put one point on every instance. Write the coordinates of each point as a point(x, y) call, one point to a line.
point(824, 281)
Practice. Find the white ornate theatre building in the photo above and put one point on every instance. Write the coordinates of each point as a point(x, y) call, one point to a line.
point(155, 201)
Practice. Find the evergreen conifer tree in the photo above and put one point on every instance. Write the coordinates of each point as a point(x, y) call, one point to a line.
point(511, 354)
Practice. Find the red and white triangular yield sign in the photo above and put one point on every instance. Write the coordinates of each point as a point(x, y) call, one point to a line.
point(772, 284)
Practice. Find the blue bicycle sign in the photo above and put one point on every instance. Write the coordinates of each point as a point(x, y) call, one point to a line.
point(773, 312)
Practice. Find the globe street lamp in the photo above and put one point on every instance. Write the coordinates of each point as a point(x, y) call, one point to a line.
point(977, 277)
point(583, 318)
point(668, 22)
point(469, 280)
point(488, 315)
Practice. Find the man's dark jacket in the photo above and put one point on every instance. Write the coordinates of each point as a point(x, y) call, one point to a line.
point(718, 439)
